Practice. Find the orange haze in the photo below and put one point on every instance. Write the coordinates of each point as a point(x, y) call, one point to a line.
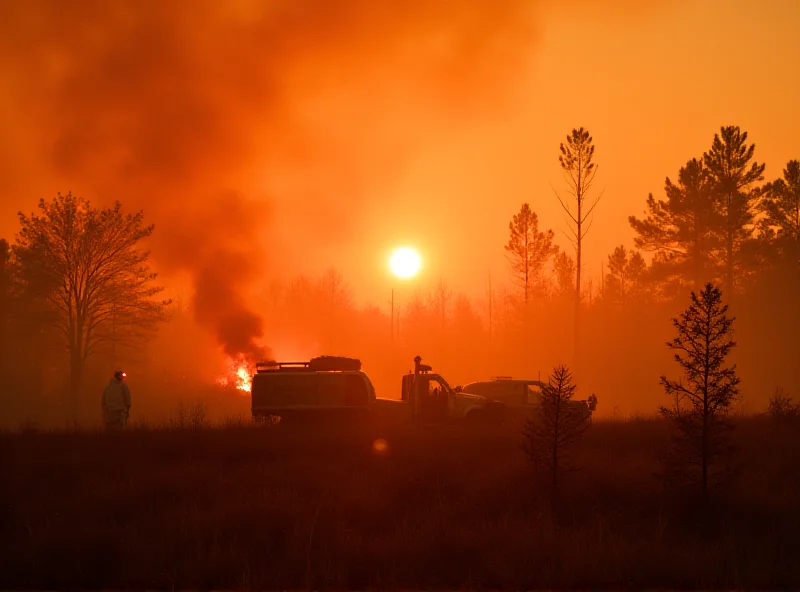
point(270, 138)
point(384, 122)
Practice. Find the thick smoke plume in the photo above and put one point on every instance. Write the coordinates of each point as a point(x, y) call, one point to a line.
point(194, 110)
point(220, 244)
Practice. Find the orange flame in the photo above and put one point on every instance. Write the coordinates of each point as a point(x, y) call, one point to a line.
point(244, 379)
point(239, 376)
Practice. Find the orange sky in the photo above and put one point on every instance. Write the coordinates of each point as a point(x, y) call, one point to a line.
point(652, 91)
point(445, 171)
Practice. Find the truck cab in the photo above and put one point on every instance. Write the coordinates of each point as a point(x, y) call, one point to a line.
point(522, 396)
point(432, 400)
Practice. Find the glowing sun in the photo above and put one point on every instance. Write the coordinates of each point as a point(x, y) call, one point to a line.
point(405, 262)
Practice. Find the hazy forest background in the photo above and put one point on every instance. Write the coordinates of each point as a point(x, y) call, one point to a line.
point(721, 216)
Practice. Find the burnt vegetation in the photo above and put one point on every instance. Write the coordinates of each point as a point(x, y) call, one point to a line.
point(260, 507)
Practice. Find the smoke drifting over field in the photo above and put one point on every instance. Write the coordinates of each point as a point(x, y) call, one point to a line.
point(174, 106)
point(269, 140)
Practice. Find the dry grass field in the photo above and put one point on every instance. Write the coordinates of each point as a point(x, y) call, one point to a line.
point(240, 506)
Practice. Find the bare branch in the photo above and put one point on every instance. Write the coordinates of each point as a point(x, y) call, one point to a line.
point(594, 205)
point(563, 205)
point(85, 265)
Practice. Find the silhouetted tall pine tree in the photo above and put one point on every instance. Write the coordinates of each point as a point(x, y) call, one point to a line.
point(528, 250)
point(564, 268)
point(554, 428)
point(577, 162)
point(782, 208)
point(703, 400)
point(733, 177)
point(683, 229)
point(625, 271)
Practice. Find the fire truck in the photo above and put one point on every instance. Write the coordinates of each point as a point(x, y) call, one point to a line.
point(337, 388)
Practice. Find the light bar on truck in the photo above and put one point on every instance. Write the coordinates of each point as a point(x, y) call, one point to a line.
point(318, 364)
point(273, 366)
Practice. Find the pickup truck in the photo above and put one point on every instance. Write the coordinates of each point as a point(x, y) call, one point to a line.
point(523, 396)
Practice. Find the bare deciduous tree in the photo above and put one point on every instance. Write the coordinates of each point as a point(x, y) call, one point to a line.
point(781, 406)
point(335, 301)
point(702, 402)
point(440, 301)
point(88, 266)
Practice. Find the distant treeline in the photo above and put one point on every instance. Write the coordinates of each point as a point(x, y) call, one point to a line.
point(723, 218)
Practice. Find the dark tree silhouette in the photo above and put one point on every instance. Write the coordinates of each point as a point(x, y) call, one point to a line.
point(528, 250)
point(732, 176)
point(636, 268)
point(440, 303)
point(701, 405)
point(625, 270)
point(781, 407)
point(6, 313)
point(579, 172)
point(335, 301)
point(5, 282)
point(782, 208)
point(683, 228)
point(466, 321)
point(564, 268)
point(24, 332)
point(555, 427)
point(86, 264)
point(618, 267)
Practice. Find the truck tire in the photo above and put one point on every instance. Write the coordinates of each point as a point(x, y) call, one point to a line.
point(477, 417)
point(498, 413)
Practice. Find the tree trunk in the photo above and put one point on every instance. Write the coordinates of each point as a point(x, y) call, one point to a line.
point(577, 312)
point(698, 260)
point(706, 411)
point(75, 382)
point(729, 252)
point(554, 459)
point(705, 459)
point(729, 266)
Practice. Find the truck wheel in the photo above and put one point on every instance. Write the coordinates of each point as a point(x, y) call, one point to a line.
point(476, 417)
